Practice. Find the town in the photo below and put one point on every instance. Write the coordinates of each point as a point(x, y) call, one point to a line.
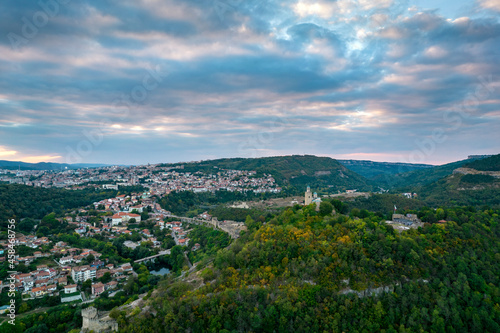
point(158, 179)
point(115, 236)
point(238, 166)
point(58, 265)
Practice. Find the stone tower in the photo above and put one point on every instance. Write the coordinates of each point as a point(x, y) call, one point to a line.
point(91, 321)
point(89, 314)
point(308, 196)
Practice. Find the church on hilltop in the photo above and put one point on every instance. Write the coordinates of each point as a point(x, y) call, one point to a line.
point(312, 198)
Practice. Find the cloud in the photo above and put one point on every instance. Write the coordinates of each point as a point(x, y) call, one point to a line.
point(43, 158)
point(322, 9)
point(436, 52)
point(5, 153)
point(368, 77)
point(14, 155)
point(490, 4)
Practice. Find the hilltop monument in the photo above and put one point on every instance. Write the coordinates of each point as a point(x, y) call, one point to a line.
point(308, 197)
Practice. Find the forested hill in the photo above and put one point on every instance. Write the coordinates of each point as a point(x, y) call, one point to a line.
point(297, 171)
point(305, 272)
point(371, 169)
point(425, 176)
point(410, 180)
point(488, 164)
point(20, 201)
point(475, 183)
point(11, 165)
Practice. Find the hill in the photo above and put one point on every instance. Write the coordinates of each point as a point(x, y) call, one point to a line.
point(20, 201)
point(409, 180)
point(14, 165)
point(371, 169)
point(296, 171)
point(459, 189)
point(301, 272)
point(475, 183)
point(487, 164)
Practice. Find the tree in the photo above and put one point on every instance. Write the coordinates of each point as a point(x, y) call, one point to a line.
point(251, 224)
point(87, 286)
point(340, 207)
point(115, 313)
point(106, 277)
point(440, 213)
point(325, 208)
point(176, 258)
point(130, 286)
point(26, 225)
point(23, 308)
point(168, 242)
point(42, 231)
point(355, 212)
point(90, 258)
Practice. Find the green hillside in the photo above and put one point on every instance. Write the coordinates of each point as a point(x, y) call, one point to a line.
point(412, 179)
point(473, 189)
point(302, 272)
point(21, 201)
point(459, 189)
point(488, 164)
point(296, 171)
point(371, 169)
point(12, 165)
point(425, 176)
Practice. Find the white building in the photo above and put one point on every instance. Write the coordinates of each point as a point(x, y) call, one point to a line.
point(83, 273)
point(71, 288)
point(123, 217)
point(66, 260)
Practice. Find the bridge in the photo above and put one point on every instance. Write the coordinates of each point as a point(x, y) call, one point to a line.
point(162, 253)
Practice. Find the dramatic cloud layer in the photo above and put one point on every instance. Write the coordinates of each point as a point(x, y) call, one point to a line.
point(138, 81)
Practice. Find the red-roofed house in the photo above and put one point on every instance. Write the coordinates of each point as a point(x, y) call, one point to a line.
point(123, 217)
point(71, 288)
point(39, 291)
point(97, 288)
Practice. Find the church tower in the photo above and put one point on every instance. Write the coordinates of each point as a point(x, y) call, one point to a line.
point(308, 196)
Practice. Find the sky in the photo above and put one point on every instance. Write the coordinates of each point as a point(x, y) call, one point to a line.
point(149, 81)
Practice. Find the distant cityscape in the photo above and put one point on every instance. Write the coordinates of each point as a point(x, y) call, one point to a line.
point(160, 180)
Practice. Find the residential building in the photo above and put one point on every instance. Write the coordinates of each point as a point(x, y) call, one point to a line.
point(71, 288)
point(97, 288)
point(39, 291)
point(83, 273)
